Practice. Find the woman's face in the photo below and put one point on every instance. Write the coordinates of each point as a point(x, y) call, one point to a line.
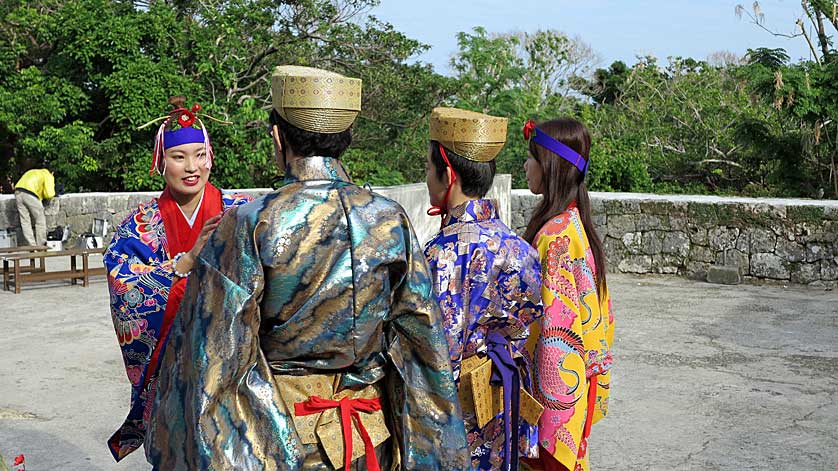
point(186, 168)
point(437, 187)
point(534, 174)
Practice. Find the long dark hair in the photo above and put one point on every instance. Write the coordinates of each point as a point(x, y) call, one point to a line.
point(562, 183)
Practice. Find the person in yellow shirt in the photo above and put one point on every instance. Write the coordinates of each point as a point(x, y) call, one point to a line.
point(34, 186)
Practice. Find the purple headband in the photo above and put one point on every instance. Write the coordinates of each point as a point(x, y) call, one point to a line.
point(187, 135)
point(555, 147)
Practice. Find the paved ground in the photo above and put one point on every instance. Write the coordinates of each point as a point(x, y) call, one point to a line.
point(707, 378)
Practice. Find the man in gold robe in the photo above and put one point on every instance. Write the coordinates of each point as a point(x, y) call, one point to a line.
point(309, 336)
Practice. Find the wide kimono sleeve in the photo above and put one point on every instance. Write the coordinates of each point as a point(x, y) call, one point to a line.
point(217, 406)
point(519, 293)
point(560, 383)
point(139, 275)
point(427, 417)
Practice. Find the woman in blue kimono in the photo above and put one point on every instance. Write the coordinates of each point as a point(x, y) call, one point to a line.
point(487, 281)
point(152, 254)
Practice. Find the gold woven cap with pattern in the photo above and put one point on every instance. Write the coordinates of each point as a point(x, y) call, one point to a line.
point(474, 136)
point(315, 100)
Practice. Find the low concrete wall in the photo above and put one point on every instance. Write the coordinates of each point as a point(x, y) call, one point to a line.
point(414, 199)
point(787, 240)
point(79, 209)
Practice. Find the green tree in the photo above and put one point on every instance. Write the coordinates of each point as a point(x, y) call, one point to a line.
point(802, 136)
point(78, 77)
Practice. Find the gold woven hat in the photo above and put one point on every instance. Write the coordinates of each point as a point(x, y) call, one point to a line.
point(475, 136)
point(315, 100)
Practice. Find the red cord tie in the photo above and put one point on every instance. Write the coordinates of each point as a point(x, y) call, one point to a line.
point(586, 432)
point(349, 409)
point(443, 209)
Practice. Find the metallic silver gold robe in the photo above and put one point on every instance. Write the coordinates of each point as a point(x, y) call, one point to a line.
point(320, 277)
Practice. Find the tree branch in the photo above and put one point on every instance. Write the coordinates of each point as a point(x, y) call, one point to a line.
point(719, 161)
point(809, 41)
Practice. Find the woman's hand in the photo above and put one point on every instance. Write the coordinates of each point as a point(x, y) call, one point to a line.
point(187, 262)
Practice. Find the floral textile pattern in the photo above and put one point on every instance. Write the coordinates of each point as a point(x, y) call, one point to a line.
point(486, 279)
point(571, 344)
point(139, 270)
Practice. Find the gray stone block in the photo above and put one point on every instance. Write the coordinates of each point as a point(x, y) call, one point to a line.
point(724, 275)
point(651, 222)
point(676, 243)
point(622, 207)
point(696, 270)
point(633, 242)
point(667, 264)
point(734, 258)
point(829, 269)
point(9, 218)
point(620, 225)
point(765, 211)
point(700, 253)
point(790, 251)
point(600, 220)
point(765, 265)
point(117, 203)
point(697, 234)
point(786, 233)
point(636, 264)
point(679, 222)
point(135, 200)
point(827, 231)
point(815, 252)
point(518, 221)
point(71, 206)
point(803, 231)
point(615, 250)
point(597, 206)
point(743, 242)
point(762, 240)
point(52, 207)
point(721, 238)
point(805, 273)
point(652, 242)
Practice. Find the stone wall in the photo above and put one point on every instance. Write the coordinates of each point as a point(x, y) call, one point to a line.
point(79, 209)
point(786, 240)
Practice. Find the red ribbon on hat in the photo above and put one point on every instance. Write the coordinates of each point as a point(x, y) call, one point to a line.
point(349, 409)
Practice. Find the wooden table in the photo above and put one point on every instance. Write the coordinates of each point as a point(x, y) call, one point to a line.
point(33, 250)
point(73, 274)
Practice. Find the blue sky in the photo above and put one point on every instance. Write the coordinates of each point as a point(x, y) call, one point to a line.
point(615, 29)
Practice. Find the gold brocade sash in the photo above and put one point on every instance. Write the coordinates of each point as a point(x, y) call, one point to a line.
point(326, 426)
point(479, 396)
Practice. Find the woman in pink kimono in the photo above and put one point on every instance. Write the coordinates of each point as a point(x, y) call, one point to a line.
point(571, 345)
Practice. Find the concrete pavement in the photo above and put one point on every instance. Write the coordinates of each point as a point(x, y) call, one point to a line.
point(706, 377)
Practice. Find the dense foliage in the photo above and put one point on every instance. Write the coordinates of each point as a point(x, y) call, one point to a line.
point(78, 77)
